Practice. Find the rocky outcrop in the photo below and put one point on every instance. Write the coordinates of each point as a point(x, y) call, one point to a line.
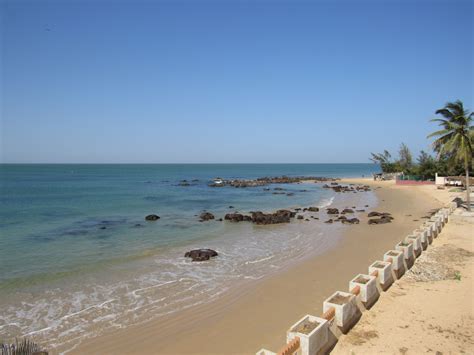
point(347, 188)
point(206, 216)
point(280, 216)
point(347, 210)
point(351, 221)
point(200, 254)
point(379, 214)
point(263, 181)
point(313, 209)
point(236, 217)
point(332, 211)
point(152, 217)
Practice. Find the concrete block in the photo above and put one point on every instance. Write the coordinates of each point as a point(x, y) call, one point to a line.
point(423, 234)
point(367, 284)
point(432, 230)
point(313, 334)
point(396, 258)
point(406, 247)
point(345, 306)
point(416, 243)
point(265, 352)
point(384, 273)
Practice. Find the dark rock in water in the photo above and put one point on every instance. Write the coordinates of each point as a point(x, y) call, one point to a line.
point(196, 180)
point(103, 227)
point(332, 211)
point(220, 220)
point(297, 209)
point(200, 254)
point(307, 220)
point(347, 210)
point(278, 193)
point(313, 209)
point(152, 217)
point(280, 216)
point(266, 189)
point(351, 221)
point(366, 206)
point(278, 189)
point(234, 217)
point(206, 216)
point(360, 210)
point(341, 218)
point(138, 225)
point(231, 207)
point(290, 194)
point(329, 221)
point(184, 184)
point(300, 217)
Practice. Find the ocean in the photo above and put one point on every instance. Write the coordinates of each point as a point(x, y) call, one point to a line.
point(77, 257)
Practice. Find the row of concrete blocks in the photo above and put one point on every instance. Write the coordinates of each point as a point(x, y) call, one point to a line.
point(343, 309)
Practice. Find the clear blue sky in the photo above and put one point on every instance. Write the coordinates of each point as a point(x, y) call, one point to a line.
point(228, 81)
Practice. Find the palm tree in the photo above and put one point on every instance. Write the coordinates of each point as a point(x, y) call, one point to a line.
point(455, 139)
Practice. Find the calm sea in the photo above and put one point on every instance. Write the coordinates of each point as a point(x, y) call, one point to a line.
point(75, 249)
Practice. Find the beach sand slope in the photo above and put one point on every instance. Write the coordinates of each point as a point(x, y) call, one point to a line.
point(430, 310)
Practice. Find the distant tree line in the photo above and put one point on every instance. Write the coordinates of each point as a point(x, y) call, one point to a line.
point(425, 166)
point(453, 148)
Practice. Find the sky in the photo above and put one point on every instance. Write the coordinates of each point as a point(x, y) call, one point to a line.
point(202, 81)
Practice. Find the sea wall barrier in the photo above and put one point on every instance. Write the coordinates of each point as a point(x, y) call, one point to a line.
point(312, 335)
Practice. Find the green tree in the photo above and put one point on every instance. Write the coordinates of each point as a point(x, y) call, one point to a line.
point(455, 139)
point(405, 158)
point(385, 161)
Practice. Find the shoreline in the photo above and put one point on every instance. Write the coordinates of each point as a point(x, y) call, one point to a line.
point(244, 320)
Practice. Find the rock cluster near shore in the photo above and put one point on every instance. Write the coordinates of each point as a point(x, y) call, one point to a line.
point(384, 217)
point(280, 216)
point(347, 188)
point(263, 181)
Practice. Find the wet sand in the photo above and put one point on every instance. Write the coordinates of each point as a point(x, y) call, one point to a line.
point(258, 316)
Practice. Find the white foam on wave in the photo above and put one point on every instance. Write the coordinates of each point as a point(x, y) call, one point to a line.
point(259, 260)
point(88, 308)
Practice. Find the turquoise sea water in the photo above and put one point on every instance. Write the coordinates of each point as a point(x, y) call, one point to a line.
point(75, 247)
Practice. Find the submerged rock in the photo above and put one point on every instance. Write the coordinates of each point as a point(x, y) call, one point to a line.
point(206, 216)
point(200, 254)
point(237, 217)
point(152, 217)
point(347, 210)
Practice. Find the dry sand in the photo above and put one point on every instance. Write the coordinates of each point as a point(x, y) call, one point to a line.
point(258, 316)
point(429, 310)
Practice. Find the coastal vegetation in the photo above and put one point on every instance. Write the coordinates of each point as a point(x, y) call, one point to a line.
point(455, 139)
point(23, 347)
point(453, 148)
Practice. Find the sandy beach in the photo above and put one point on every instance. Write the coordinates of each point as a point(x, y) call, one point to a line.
point(258, 316)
